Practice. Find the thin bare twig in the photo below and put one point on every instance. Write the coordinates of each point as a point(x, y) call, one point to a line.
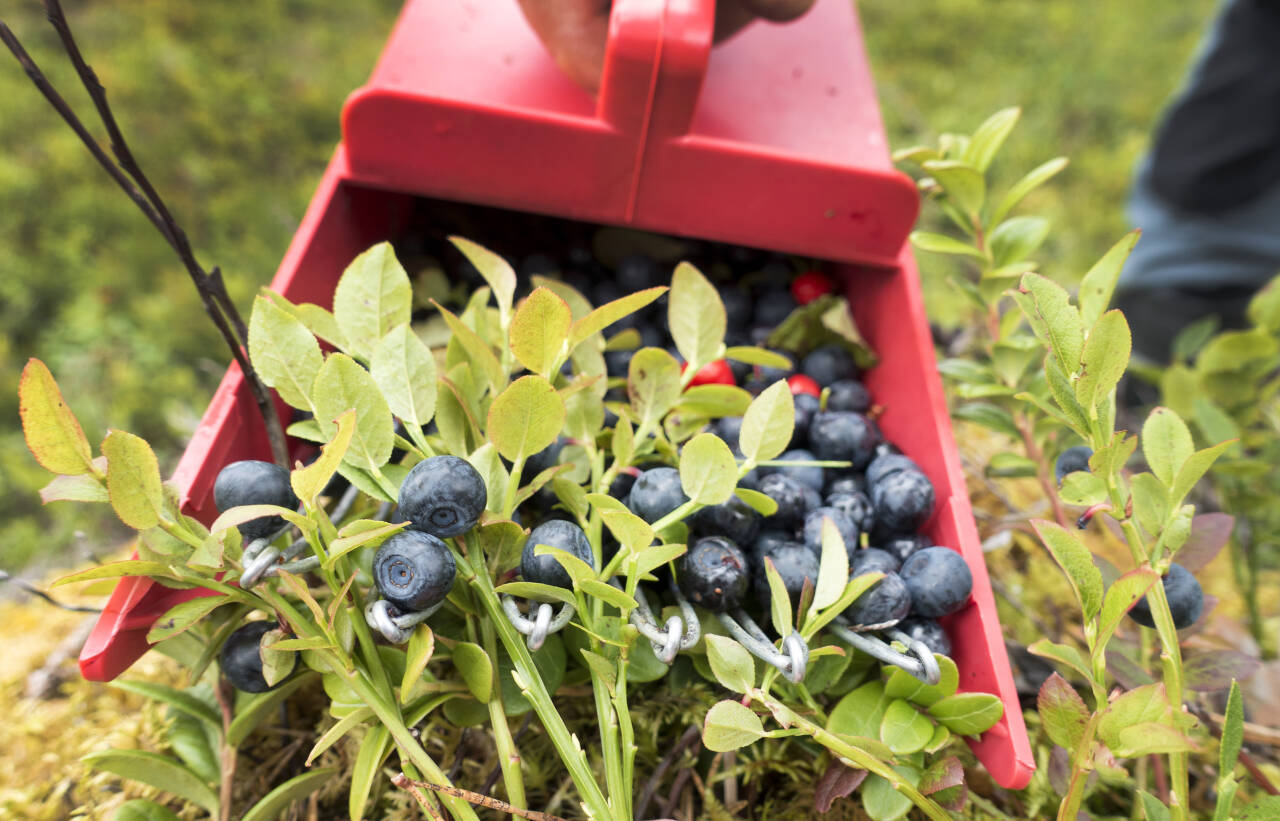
point(227, 785)
point(404, 782)
point(37, 592)
point(651, 786)
point(209, 284)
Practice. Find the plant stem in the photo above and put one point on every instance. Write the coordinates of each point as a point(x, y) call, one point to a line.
point(508, 755)
point(1027, 431)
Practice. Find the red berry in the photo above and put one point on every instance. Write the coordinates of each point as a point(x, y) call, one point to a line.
point(716, 372)
point(810, 285)
point(802, 384)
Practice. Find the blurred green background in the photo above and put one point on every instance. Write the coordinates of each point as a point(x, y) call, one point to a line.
point(233, 111)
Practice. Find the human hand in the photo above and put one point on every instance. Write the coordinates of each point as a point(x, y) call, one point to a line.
point(575, 31)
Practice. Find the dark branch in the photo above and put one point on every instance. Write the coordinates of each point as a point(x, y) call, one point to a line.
point(210, 286)
point(35, 591)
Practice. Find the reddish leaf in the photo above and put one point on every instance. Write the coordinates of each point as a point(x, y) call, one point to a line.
point(1126, 670)
point(1059, 770)
point(838, 781)
point(1209, 534)
point(1211, 670)
point(1062, 711)
point(943, 774)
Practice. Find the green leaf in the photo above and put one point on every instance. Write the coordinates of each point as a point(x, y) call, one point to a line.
point(133, 480)
point(1153, 809)
point(943, 244)
point(1010, 465)
point(1034, 179)
point(1266, 808)
point(779, 599)
point(1149, 739)
point(968, 713)
point(884, 803)
point(629, 529)
point(731, 663)
point(657, 555)
point(578, 570)
point(157, 770)
point(52, 433)
point(833, 568)
point(988, 415)
point(708, 472)
point(1264, 308)
point(860, 712)
point(902, 684)
point(284, 353)
point(729, 726)
point(1148, 704)
point(277, 663)
point(696, 316)
point(1061, 653)
point(1017, 239)
point(603, 668)
point(310, 481)
point(904, 729)
point(343, 385)
point(1232, 732)
point(140, 809)
point(757, 501)
point(183, 616)
point(481, 356)
point(495, 270)
point(255, 708)
point(236, 516)
point(274, 803)
point(653, 384)
point(715, 400)
point(768, 424)
point(405, 372)
point(608, 593)
point(990, 136)
point(493, 471)
point(116, 570)
point(1076, 561)
point(1062, 712)
point(476, 668)
point(1150, 501)
point(373, 296)
point(1121, 596)
point(611, 312)
point(754, 355)
point(79, 488)
point(319, 321)
point(540, 331)
point(536, 592)
point(1193, 469)
point(1083, 489)
point(962, 182)
point(1103, 360)
point(180, 700)
point(374, 749)
point(1166, 444)
point(525, 418)
point(1055, 320)
point(1100, 283)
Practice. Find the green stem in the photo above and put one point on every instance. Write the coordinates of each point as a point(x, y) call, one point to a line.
point(1080, 768)
point(508, 755)
point(513, 486)
point(1171, 661)
point(857, 757)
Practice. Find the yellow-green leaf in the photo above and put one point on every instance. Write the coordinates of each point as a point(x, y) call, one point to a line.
point(308, 482)
point(133, 480)
point(53, 434)
point(284, 353)
point(373, 296)
point(525, 418)
point(539, 330)
point(405, 371)
point(696, 316)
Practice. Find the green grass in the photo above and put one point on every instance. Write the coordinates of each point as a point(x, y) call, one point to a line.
point(233, 109)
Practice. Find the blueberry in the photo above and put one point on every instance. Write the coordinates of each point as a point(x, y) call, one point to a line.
point(848, 395)
point(903, 500)
point(792, 497)
point(656, 492)
point(885, 604)
point(844, 436)
point(729, 428)
point(413, 570)
point(1186, 599)
point(929, 632)
point(617, 363)
point(713, 574)
point(903, 545)
point(734, 519)
point(828, 364)
point(737, 307)
point(242, 663)
point(939, 581)
point(873, 560)
point(762, 376)
point(844, 525)
point(887, 448)
point(443, 496)
point(858, 506)
point(1072, 460)
point(557, 533)
point(768, 540)
point(251, 482)
point(538, 264)
point(773, 307)
point(806, 408)
point(810, 475)
point(548, 457)
point(794, 562)
point(843, 481)
point(636, 272)
point(887, 463)
point(621, 485)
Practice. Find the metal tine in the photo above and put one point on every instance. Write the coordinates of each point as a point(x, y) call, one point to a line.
point(395, 627)
point(920, 664)
point(692, 624)
point(542, 624)
point(793, 663)
point(666, 642)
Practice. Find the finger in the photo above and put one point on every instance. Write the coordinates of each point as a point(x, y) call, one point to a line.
point(731, 17)
point(574, 32)
point(777, 11)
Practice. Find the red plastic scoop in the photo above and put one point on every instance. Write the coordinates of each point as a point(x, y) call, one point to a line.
point(773, 140)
